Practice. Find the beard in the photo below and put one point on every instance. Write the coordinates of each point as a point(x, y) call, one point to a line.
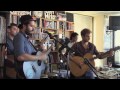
point(28, 32)
point(85, 41)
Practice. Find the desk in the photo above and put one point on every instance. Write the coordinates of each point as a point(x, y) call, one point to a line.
point(111, 73)
point(63, 73)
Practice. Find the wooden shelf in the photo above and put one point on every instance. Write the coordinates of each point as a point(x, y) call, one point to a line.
point(69, 30)
point(49, 19)
point(61, 21)
point(70, 22)
point(34, 33)
point(35, 39)
point(49, 28)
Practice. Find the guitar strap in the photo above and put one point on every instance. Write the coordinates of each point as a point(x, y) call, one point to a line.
point(20, 63)
point(29, 41)
point(39, 62)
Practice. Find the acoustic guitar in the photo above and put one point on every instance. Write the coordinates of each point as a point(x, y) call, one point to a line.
point(78, 69)
point(34, 69)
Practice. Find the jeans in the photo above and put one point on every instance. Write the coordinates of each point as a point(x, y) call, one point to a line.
point(87, 75)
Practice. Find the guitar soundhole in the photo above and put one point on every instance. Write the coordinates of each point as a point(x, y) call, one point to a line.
point(39, 63)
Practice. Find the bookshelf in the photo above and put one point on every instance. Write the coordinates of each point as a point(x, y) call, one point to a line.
point(4, 21)
point(15, 16)
point(55, 22)
point(7, 17)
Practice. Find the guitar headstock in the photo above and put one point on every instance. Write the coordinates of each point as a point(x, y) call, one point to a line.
point(116, 48)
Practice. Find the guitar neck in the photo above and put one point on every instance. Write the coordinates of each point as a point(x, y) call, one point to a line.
point(49, 50)
point(44, 39)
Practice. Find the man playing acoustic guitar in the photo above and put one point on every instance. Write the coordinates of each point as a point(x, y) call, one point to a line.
point(23, 49)
point(81, 49)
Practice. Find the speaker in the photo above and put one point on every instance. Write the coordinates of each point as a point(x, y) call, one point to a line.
point(114, 23)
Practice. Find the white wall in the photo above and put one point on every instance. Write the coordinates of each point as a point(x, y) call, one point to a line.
point(81, 22)
point(99, 23)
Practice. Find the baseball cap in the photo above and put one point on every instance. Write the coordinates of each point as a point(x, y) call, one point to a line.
point(26, 18)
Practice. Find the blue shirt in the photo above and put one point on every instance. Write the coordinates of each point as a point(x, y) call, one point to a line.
point(10, 51)
point(10, 47)
point(21, 46)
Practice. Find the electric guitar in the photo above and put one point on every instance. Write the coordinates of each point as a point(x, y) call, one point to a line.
point(78, 69)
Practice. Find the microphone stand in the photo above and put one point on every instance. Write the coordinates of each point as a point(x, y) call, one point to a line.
point(86, 61)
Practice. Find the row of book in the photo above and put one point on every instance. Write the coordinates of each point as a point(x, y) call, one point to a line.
point(69, 26)
point(49, 24)
point(14, 19)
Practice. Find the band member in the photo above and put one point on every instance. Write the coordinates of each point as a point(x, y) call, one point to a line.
point(73, 39)
point(71, 42)
point(83, 47)
point(23, 49)
point(9, 62)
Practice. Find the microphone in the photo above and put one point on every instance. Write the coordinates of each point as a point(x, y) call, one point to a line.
point(65, 42)
point(50, 35)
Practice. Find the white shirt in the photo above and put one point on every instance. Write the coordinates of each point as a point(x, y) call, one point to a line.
point(70, 44)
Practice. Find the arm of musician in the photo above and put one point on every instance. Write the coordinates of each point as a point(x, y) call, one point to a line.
point(11, 58)
point(104, 55)
point(4, 51)
point(26, 57)
point(101, 55)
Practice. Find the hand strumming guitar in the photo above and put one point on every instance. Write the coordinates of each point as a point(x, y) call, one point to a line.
point(43, 56)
